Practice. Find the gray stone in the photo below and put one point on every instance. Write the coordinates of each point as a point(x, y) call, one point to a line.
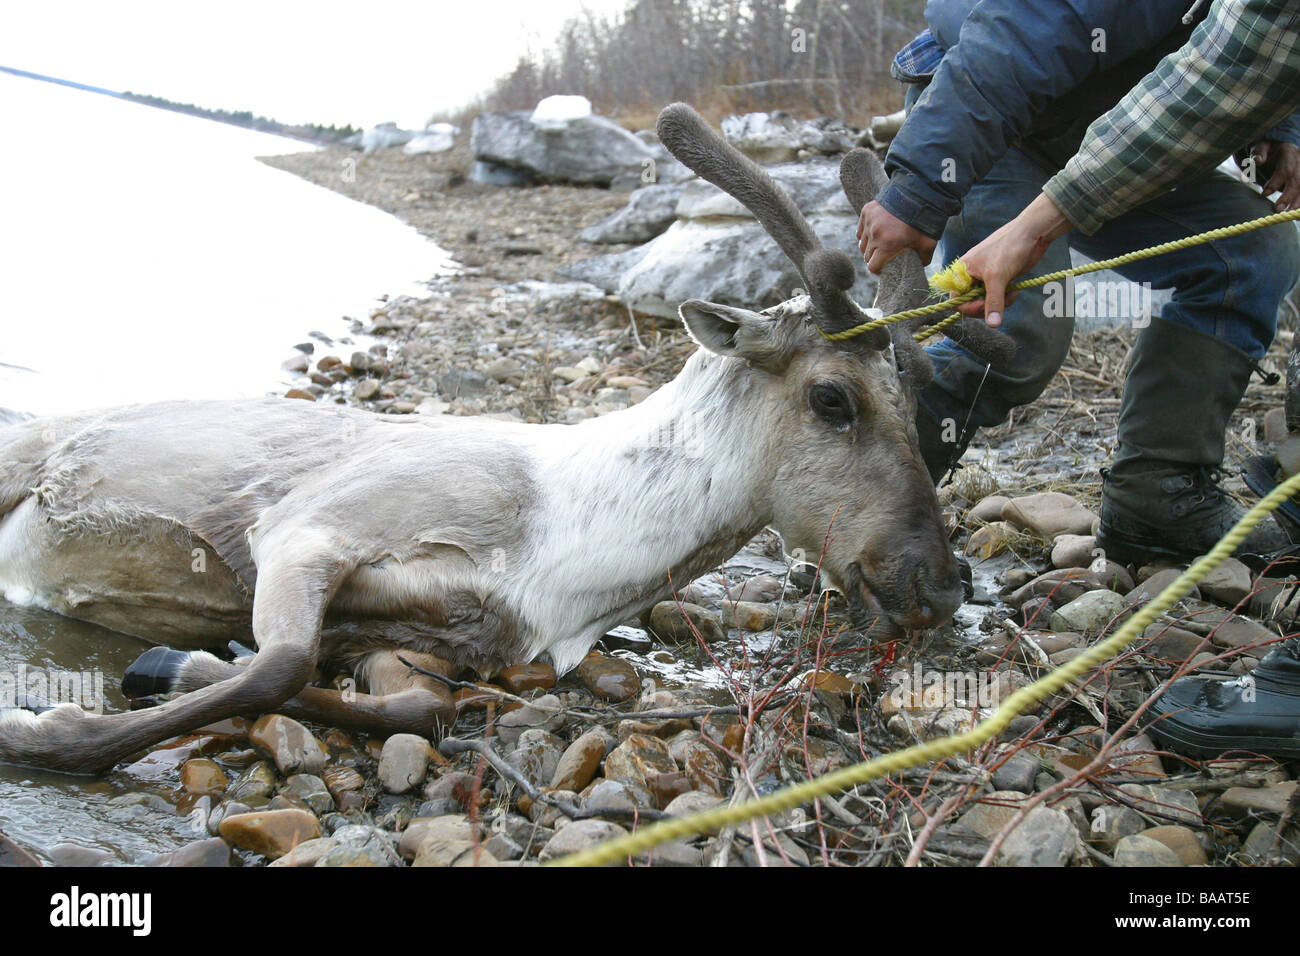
point(648, 213)
point(311, 790)
point(403, 762)
point(1139, 850)
point(580, 835)
point(1228, 584)
point(1110, 824)
point(588, 150)
point(1017, 773)
point(1045, 837)
point(1090, 612)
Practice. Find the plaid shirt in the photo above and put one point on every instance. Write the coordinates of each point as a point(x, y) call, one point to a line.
point(1237, 76)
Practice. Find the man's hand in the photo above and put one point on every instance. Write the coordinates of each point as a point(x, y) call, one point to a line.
point(882, 235)
point(1011, 252)
point(1281, 163)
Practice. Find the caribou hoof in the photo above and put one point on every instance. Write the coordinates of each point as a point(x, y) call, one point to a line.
point(154, 672)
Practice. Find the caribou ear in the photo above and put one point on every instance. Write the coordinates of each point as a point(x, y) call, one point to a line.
point(726, 330)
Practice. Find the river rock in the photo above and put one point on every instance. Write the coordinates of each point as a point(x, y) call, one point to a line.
point(1049, 514)
point(403, 762)
point(586, 150)
point(545, 712)
point(452, 826)
point(536, 756)
point(1238, 631)
point(1090, 612)
point(1063, 585)
point(992, 813)
point(749, 615)
point(989, 508)
point(521, 678)
point(201, 853)
point(272, 833)
point(676, 623)
point(1170, 803)
point(289, 744)
point(312, 791)
point(1258, 847)
point(306, 854)
point(991, 540)
point(453, 853)
point(1254, 802)
point(578, 836)
point(1017, 773)
point(203, 776)
point(1110, 824)
point(1181, 840)
point(693, 801)
point(609, 678)
point(1228, 584)
point(1139, 850)
point(11, 854)
point(579, 762)
point(1045, 837)
point(257, 783)
point(1157, 582)
point(639, 757)
point(1073, 550)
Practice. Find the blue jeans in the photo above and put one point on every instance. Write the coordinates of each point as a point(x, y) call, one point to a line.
point(1230, 288)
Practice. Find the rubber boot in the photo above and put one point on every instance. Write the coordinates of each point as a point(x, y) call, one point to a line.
point(1259, 712)
point(1161, 499)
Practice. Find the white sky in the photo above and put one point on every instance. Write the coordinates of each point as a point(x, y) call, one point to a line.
point(323, 62)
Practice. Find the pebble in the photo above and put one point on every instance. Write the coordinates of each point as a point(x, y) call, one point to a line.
point(255, 783)
point(1063, 585)
point(536, 756)
point(1172, 804)
point(403, 762)
point(1171, 643)
point(1090, 612)
point(1045, 837)
point(459, 382)
point(749, 615)
point(579, 762)
point(1017, 773)
point(676, 623)
point(693, 801)
point(761, 588)
point(1258, 847)
point(1048, 514)
point(455, 789)
point(609, 678)
point(992, 813)
point(341, 780)
point(366, 389)
point(578, 836)
point(1139, 850)
point(272, 833)
point(289, 744)
point(452, 826)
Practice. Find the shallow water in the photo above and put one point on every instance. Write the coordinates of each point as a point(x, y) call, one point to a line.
point(146, 255)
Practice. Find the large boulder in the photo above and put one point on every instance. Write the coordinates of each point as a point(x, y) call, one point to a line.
point(778, 137)
point(647, 214)
point(586, 150)
point(438, 138)
point(383, 136)
point(715, 250)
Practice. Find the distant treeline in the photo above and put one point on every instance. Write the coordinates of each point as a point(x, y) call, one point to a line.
point(309, 131)
point(823, 57)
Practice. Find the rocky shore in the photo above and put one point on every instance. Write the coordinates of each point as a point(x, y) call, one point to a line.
point(754, 679)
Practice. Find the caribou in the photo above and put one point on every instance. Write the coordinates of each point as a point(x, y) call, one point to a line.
point(342, 539)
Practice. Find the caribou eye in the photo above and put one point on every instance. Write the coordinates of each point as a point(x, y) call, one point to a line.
point(830, 403)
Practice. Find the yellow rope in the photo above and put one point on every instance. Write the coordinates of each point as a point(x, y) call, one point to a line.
point(621, 848)
point(951, 277)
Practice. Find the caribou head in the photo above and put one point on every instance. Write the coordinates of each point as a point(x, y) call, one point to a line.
point(849, 488)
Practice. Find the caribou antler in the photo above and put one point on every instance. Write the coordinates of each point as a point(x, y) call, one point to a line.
point(828, 273)
point(903, 284)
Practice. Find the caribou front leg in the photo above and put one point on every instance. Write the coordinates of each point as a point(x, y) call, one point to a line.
point(288, 607)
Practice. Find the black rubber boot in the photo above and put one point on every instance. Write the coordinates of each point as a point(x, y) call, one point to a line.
point(1161, 498)
point(1259, 712)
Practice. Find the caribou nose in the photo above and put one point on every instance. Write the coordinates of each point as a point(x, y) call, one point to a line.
point(937, 585)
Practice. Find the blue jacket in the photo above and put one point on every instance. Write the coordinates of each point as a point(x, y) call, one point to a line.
point(1031, 75)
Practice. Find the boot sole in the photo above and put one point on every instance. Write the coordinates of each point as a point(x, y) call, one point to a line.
point(1192, 743)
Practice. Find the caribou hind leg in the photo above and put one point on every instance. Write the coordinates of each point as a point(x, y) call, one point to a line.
point(400, 700)
point(292, 594)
